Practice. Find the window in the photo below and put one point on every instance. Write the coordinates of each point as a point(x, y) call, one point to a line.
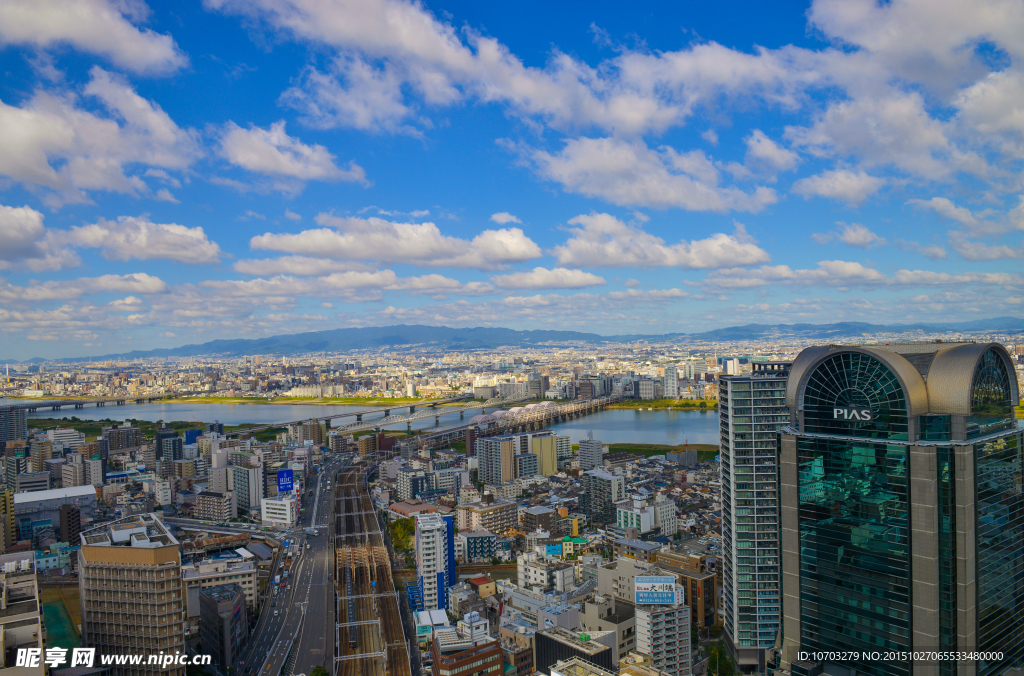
point(855, 381)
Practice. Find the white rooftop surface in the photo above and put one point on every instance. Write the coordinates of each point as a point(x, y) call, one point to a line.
point(54, 494)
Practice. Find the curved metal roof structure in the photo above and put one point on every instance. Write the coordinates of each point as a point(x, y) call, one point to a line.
point(936, 377)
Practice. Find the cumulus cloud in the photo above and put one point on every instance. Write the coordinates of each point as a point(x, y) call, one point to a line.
point(388, 241)
point(303, 266)
point(93, 26)
point(764, 152)
point(504, 217)
point(601, 240)
point(979, 251)
point(93, 151)
point(26, 243)
point(273, 152)
point(291, 215)
point(845, 185)
point(131, 237)
point(543, 278)
point(853, 234)
point(631, 174)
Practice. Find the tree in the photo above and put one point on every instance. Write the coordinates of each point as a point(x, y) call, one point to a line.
point(319, 671)
point(719, 662)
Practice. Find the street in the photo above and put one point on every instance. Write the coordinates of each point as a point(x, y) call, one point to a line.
point(296, 639)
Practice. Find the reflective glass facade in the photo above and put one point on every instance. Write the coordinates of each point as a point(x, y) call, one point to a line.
point(1000, 551)
point(991, 406)
point(854, 548)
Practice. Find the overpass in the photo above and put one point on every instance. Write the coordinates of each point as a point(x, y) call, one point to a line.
point(520, 419)
point(430, 410)
point(57, 404)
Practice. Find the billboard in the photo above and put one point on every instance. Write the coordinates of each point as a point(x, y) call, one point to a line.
point(285, 480)
point(659, 589)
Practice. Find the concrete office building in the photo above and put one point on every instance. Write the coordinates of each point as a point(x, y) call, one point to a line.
point(247, 484)
point(31, 482)
point(496, 459)
point(527, 465)
point(8, 528)
point(21, 620)
point(601, 490)
point(591, 453)
point(752, 408)
point(903, 508)
point(223, 623)
point(280, 512)
point(135, 558)
point(13, 424)
point(435, 559)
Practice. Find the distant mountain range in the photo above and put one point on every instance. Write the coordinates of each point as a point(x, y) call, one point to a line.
point(444, 337)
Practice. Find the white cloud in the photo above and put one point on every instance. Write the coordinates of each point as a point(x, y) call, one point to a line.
point(631, 174)
point(351, 285)
point(138, 282)
point(932, 251)
point(828, 273)
point(303, 266)
point(291, 215)
point(845, 185)
point(94, 26)
point(275, 153)
point(849, 274)
point(26, 243)
point(95, 150)
point(853, 234)
point(387, 241)
point(504, 217)
point(352, 93)
point(979, 251)
point(543, 278)
point(601, 240)
point(763, 150)
point(139, 238)
point(945, 207)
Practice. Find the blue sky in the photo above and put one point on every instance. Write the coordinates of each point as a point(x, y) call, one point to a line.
point(179, 172)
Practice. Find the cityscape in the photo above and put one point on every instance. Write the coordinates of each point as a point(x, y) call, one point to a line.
point(434, 338)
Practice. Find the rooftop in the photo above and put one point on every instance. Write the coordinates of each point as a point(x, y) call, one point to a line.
point(54, 494)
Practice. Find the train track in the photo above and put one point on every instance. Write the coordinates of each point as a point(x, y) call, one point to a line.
point(370, 637)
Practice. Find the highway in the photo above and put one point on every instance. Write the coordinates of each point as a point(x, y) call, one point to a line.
point(295, 639)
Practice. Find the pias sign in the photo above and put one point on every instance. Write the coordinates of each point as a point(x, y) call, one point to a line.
point(852, 413)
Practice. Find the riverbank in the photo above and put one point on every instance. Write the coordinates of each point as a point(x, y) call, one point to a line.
point(705, 452)
point(376, 402)
point(667, 404)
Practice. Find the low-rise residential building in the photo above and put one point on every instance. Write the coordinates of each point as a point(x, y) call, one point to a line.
point(280, 512)
point(214, 506)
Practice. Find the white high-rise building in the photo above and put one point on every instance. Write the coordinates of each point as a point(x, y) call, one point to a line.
point(435, 558)
point(671, 383)
point(663, 634)
point(751, 409)
point(591, 453)
point(280, 511)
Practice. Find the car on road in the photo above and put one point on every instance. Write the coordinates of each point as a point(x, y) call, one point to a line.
point(276, 612)
point(273, 604)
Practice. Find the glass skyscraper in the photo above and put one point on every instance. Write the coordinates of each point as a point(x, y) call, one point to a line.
point(752, 409)
point(902, 510)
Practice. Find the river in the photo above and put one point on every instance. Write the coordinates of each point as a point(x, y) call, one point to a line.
point(610, 425)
